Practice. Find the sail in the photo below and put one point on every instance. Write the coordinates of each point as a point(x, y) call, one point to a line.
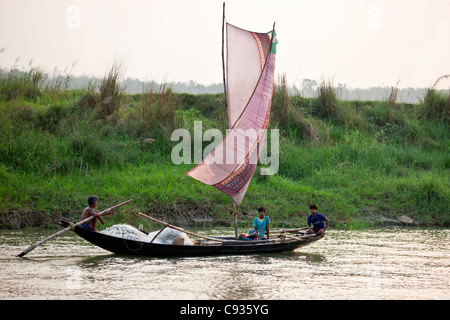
point(249, 82)
point(246, 57)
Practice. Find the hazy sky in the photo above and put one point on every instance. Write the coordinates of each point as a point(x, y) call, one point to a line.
point(360, 43)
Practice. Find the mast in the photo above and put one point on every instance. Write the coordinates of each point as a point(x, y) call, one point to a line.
point(226, 107)
point(223, 62)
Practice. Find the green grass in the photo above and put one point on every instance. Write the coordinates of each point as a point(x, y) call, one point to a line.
point(359, 161)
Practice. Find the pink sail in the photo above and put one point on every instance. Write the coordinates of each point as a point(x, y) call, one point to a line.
point(246, 57)
point(250, 76)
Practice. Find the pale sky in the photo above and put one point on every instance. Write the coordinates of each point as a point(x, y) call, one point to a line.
point(360, 43)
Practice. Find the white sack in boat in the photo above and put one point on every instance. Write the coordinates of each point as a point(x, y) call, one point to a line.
point(168, 235)
point(125, 231)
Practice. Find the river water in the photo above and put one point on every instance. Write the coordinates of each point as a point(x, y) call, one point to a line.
point(388, 263)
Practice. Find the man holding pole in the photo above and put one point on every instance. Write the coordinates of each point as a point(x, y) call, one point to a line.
point(79, 223)
point(90, 211)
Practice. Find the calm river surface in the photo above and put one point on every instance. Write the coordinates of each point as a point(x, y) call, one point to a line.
point(390, 263)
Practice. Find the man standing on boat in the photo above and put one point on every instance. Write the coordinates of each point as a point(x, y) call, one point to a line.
point(316, 219)
point(90, 211)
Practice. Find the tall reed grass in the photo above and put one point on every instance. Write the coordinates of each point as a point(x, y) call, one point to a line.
point(33, 83)
point(293, 115)
point(327, 100)
point(111, 91)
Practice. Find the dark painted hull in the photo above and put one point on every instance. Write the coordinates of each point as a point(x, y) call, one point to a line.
point(132, 247)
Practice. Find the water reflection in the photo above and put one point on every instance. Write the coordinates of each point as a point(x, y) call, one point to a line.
point(95, 261)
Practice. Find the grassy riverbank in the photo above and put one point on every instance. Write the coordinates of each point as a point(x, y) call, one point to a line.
point(362, 162)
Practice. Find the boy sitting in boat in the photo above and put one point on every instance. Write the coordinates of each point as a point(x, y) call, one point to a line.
point(260, 225)
point(316, 219)
point(90, 211)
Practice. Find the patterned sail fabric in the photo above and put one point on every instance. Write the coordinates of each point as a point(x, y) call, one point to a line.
point(250, 75)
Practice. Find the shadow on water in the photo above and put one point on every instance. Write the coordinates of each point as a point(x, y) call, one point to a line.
point(268, 258)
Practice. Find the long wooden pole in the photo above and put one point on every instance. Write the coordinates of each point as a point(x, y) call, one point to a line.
point(288, 230)
point(71, 227)
point(299, 237)
point(223, 64)
point(179, 229)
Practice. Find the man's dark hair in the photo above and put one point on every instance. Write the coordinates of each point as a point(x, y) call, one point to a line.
point(92, 199)
point(261, 209)
point(313, 206)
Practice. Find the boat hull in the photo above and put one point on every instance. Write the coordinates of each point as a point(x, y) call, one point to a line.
point(131, 247)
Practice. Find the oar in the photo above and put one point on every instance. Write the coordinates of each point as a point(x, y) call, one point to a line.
point(71, 227)
point(288, 230)
point(298, 237)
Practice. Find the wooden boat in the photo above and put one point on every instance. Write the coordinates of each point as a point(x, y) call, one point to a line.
point(223, 245)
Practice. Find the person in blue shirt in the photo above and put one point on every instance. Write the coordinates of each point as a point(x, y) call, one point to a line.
point(316, 220)
point(260, 225)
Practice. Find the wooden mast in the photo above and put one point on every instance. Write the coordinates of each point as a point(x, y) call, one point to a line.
point(226, 105)
point(223, 62)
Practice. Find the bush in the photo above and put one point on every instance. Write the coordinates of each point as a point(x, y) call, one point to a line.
point(25, 85)
point(111, 91)
point(327, 102)
point(436, 105)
